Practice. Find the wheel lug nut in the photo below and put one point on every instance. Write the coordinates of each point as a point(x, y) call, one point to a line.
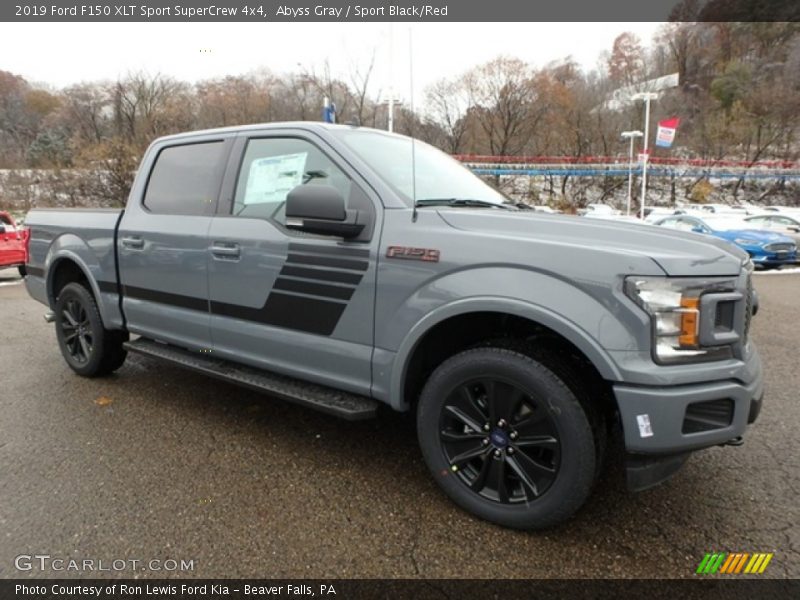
point(497, 453)
point(485, 441)
point(486, 427)
point(510, 450)
point(513, 435)
point(501, 423)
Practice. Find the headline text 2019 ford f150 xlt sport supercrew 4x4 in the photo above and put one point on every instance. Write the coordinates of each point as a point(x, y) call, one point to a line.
point(313, 262)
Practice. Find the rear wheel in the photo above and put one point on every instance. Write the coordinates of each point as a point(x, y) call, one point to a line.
point(89, 349)
point(506, 439)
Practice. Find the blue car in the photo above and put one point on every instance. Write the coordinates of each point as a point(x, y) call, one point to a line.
point(767, 249)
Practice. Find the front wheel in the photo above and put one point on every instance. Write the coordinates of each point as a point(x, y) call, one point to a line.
point(506, 439)
point(88, 348)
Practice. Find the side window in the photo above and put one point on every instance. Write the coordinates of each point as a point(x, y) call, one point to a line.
point(272, 167)
point(761, 221)
point(685, 224)
point(781, 222)
point(185, 179)
point(671, 223)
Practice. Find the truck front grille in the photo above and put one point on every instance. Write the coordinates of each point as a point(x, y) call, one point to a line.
point(748, 308)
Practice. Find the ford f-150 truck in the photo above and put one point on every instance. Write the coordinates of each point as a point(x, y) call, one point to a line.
point(343, 268)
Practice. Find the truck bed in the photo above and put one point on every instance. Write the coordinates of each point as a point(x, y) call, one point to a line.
point(87, 236)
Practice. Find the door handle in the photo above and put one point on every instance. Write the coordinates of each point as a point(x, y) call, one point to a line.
point(223, 250)
point(135, 242)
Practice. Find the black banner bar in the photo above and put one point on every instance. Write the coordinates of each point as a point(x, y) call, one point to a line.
point(427, 11)
point(399, 589)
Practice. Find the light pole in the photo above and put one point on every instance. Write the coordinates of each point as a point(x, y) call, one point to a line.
point(391, 77)
point(631, 135)
point(647, 97)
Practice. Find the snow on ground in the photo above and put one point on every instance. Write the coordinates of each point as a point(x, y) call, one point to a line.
point(789, 271)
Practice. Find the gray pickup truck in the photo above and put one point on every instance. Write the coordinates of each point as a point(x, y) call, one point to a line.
point(343, 268)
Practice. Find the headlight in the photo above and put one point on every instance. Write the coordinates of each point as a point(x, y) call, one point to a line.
point(748, 242)
point(674, 308)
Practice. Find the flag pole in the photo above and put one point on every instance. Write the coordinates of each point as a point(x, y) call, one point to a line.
point(646, 96)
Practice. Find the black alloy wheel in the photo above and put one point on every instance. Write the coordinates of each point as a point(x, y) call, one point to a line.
point(76, 331)
point(500, 441)
point(506, 438)
point(87, 346)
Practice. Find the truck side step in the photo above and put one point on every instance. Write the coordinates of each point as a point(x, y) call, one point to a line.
point(328, 400)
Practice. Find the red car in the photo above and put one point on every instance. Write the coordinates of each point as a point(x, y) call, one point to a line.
point(13, 244)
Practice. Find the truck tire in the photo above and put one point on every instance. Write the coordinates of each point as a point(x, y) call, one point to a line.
point(90, 349)
point(506, 439)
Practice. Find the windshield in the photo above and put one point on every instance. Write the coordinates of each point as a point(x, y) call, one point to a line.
point(437, 175)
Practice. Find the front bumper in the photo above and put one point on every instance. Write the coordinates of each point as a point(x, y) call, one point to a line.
point(774, 259)
point(654, 419)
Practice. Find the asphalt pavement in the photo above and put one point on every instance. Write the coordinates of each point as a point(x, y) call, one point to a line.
point(157, 463)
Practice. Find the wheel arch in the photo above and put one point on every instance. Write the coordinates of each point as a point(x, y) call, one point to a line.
point(519, 316)
point(66, 267)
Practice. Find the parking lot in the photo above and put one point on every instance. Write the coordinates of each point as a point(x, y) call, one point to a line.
point(159, 463)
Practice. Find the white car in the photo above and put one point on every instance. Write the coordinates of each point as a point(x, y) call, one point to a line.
point(598, 209)
point(780, 223)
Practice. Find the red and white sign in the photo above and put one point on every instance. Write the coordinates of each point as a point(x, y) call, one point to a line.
point(666, 132)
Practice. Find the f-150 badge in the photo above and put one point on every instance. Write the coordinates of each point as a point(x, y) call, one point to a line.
point(424, 254)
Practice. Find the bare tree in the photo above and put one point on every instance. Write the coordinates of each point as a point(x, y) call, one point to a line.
point(502, 102)
point(448, 102)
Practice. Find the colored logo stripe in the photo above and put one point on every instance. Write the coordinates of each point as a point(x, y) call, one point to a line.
point(734, 563)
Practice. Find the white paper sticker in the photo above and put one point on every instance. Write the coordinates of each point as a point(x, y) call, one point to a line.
point(645, 430)
point(270, 179)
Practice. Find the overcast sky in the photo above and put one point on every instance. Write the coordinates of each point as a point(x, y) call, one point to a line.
point(60, 54)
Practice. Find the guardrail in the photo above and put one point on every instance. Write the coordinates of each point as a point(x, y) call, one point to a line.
point(604, 166)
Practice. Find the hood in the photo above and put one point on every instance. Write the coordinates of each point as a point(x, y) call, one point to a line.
point(677, 253)
point(759, 235)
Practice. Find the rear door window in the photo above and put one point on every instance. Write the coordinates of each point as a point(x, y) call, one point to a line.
point(185, 179)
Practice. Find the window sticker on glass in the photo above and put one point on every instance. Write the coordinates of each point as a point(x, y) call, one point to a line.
point(270, 179)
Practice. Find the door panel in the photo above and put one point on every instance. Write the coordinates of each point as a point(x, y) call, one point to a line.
point(162, 244)
point(165, 281)
point(290, 302)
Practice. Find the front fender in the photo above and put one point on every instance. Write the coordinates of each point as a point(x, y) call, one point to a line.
point(595, 320)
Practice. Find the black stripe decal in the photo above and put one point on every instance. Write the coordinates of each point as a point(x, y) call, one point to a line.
point(293, 312)
point(107, 287)
point(315, 289)
point(324, 261)
point(330, 250)
point(321, 274)
point(35, 271)
point(179, 300)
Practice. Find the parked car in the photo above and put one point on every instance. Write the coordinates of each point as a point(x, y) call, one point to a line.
point(12, 243)
point(316, 263)
point(543, 208)
point(723, 209)
point(596, 209)
point(766, 249)
point(779, 223)
point(654, 213)
point(793, 211)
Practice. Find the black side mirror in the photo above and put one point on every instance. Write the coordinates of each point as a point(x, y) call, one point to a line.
point(321, 209)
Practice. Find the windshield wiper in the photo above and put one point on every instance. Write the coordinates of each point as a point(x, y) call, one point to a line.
point(463, 202)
